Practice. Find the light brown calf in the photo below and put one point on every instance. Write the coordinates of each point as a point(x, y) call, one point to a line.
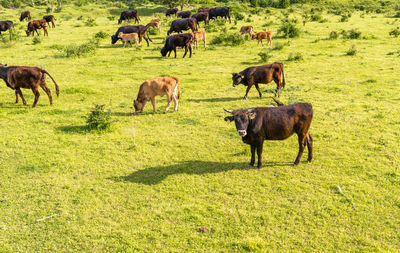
point(247, 29)
point(161, 86)
point(201, 35)
point(263, 35)
point(156, 23)
point(128, 37)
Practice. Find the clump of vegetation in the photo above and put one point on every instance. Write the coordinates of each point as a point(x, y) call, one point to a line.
point(333, 35)
point(394, 52)
point(316, 17)
point(279, 46)
point(289, 28)
point(80, 50)
point(265, 55)
point(395, 32)
point(228, 39)
point(99, 118)
point(397, 15)
point(295, 57)
point(9, 39)
point(36, 40)
point(352, 51)
point(351, 34)
point(90, 22)
point(344, 18)
point(101, 35)
point(239, 16)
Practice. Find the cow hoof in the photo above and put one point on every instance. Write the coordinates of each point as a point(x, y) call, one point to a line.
point(295, 163)
point(251, 165)
point(258, 167)
point(308, 160)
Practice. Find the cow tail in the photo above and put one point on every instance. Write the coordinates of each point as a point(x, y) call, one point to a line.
point(283, 77)
point(179, 88)
point(55, 84)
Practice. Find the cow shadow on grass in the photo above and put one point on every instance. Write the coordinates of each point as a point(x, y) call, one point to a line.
point(226, 99)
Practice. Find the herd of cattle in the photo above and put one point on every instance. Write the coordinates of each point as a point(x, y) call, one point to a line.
point(254, 125)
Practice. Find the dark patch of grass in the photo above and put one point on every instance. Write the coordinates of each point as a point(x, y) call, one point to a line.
point(295, 57)
point(36, 40)
point(265, 55)
point(352, 51)
point(395, 32)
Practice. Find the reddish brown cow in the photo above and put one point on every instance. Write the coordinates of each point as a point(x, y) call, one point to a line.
point(34, 25)
point(247, 29)
point(17, 77)
point(25, 15)
point(261, 36)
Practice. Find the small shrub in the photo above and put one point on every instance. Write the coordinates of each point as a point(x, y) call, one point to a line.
point(284, 4)
point(333, 35)
point(36, 40)
point(316, 17)
point(351, 34)
point(248, 20)
point(265, 55)
point(79, 18)
point(344, 18)
point(289, 28)
point(101, 35)
point(395, 32)
point(295, 57)
point(111, 18)
point(228, 39)
point(279, 46)
point(397, 15)
point(352, 51)
point(90, 22)
point(99, 118)
point(239, 16)
point(80, 50)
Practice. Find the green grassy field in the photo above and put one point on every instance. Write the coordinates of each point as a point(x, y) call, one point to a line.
point(153, 180)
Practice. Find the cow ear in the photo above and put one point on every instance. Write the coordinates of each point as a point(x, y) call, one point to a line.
point(229, 118)
point(252, 115)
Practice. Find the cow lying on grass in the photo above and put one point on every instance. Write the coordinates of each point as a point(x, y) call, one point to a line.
point(183, 40)
point(247, 29)
point(261, 36)
point(128, 37)
point(161, 86)
point(34, 25)
point(17, 77)
point(274, 123)
point(201, 35)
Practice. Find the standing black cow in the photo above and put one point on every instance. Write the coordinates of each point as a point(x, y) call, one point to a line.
point(201, 16)
point(184, 24)
point(172, 11)
point(139, 29)
point(180, 40)
point(6, 25)
point(25, 15)
point(223, 12)
point(50, 19)
point(184, 14)
point(128, 15)
point(277, 123)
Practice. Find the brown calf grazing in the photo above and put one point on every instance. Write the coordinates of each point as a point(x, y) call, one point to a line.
point(34, 25)
point(128, 37)
point(274, 123)
point(260, 74)
point(158, 87)
point(17, 77)
point(25, 15)
point(156, 23)
point(263, 35)
point(247, 29)
point(201, 35)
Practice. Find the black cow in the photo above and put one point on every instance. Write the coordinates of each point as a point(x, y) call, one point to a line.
point(172, 11)
point(139, 29)
point(6, 25)
point(260, 74)
point(50, 19)
point(25, 15)
point(274, 123)
point(184, 14)
point(184, 24)
point(203, 10)
point(180, 40)
point(223, 12)
point(128, 15)
point(201, 16)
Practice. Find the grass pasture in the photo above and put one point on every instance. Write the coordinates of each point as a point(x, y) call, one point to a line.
point(153, 180)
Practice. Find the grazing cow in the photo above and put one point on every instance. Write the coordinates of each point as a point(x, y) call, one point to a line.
point(172, 11)
point(263, 35)
point(247, 29)
point(139, 29)
point(6, 25)
point(34, 25)
point(50, 19)
point(17, 77)
point(128, 15)
point(203, 10)
point(201, 35)
point(184, 14)
point(223, 12)
point(184, 24)
point(25, 15)
point(128, 37)
point(179, 40)
point(202, 16)
point(158, 87)
point(274, 123)
point(260, 74)
point(156, 23)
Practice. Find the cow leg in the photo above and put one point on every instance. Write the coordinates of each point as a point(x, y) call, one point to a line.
point(169, 99)
point(259, 154)
point(302, 142)
point(258, 89)
point(137, 43)
point(47, 90)
point(175, 98)
point(53, 24)
point(186, 49)
point(175, 52)
point(190, 50)
point(153, 102)
point(45, 32)
point(247, 91)
point(124, 44)
point(19, 92)
point(309, 147)
point(37, 95)
point(169, 53)
point(262, 43)
point(16, 96)
point(253, 155)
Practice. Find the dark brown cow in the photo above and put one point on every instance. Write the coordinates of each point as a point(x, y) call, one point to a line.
point(203, 10)
point(184, 14)
point(128, 15)
point(50, 19)
point(201, 16)
point(6, 25)
point(25, 15)
point(184, 24)
point(223, 12)
point(172, 11)
point(260, 74)
point(17, 77)
point(184, 40)
point(274, 123)
point(34, 25)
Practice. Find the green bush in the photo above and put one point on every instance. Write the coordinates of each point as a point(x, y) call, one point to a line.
point(279, 46)
point(239, 16)
point(90, 22)
point(289, 28)
point(295, 57)
point(316, 17)
point(351, 34)
point(36, 40)
point(284, 4)
point(395, 32)
point(352, 51)
point(228, 39)
point(265, 55)
point(99, 118)
point(79, 50)
point(333, 35)
point(101, 35)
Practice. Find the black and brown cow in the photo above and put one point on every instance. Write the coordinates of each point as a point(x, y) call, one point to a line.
point(223, 12)
point(25, 15)
point(274, 123)
point(184, 24)
point(184, 14)
point(6, 25)
point(260, 74)
point(128, 15)
point(183, 40)
point(172, 11)
point(50, 19)
point(139, 29)
point(34, 25)
point(17, 77)
point(201, 16)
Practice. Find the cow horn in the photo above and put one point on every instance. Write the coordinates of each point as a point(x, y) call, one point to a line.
point(230, 111)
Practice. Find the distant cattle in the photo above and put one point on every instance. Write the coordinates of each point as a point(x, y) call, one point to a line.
point(17, 77)
point(223, 12)
point(247, 30)
point(34, 25)
point(203, 10)
point(260, 74)
point(25, 15)
point(184, 40)
point(202, 16)
point(184, 24)
point(184, 14)
point(50, 19)
point(128, 37)
point(260, 36)
point(156, 23)
point(161, 86)
point(6, 25)
point(197, 36)
point(128, 15)
point(277, 123)
point(172, 11)
point(139, 29)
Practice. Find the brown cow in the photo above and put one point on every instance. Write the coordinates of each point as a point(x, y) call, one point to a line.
point(25, 15)
point(17, 77)
point(158, 87)
point(156, 23)
point(201, 35)
point(260, 74)
point(263, 35)
point(34, 25)
point(128, 37)
point(247, 29)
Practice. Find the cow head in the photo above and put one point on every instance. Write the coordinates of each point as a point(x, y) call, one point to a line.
point(114, 39)
point(28, 32)
point(164, 51)
point(242, 119)
point(237, 79)
point(138, 105)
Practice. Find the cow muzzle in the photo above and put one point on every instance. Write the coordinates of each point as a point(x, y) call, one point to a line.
point(242, 132)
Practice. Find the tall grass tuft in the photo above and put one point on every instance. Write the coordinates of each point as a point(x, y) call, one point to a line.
point(99, 118)
point(289, 28)
point(352, 51)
